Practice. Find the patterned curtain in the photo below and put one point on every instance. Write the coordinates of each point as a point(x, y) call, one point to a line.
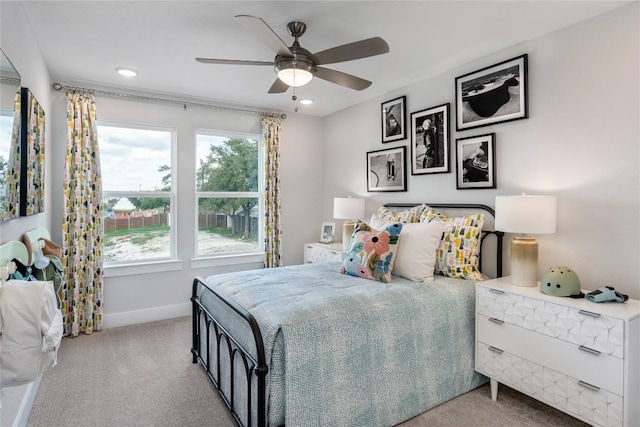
point(35, 158)
point(271, 131)
point(12, 200)
point(82, 231)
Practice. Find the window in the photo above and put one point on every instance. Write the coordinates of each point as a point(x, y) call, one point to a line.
point(229, 194)
point(138, 193)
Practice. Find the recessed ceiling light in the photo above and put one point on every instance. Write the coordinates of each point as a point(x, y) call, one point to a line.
point(127, 72)
point(306, 101)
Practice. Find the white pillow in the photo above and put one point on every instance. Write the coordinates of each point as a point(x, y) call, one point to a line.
point(417, 245)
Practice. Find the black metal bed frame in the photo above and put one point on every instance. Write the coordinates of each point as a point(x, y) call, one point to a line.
point(256, 363)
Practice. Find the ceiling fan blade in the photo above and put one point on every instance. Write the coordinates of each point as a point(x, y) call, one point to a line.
point(260, 29)
point(356, 50)
point(278, 87)
point(231, 61)
point(342, 79)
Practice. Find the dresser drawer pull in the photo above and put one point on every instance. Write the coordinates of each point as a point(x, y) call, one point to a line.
point(494, 320)
point(495, 350)
point(589, 350)
point(589, 313)
point(496, 291)
point(589, 386)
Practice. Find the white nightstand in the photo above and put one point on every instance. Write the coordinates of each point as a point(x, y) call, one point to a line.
point(323, 252)
point(580, 357)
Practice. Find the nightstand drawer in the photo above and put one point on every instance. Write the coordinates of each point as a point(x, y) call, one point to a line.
point(319, 252)
point(567, 393)
point(602, 333)
point(600, 370)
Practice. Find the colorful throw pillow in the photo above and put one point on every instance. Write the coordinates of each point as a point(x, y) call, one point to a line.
point(372, 252)
point(407, 216)
point(417, 246)
point(458, 254)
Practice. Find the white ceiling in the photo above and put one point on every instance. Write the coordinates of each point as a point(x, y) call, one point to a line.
point(84, 41)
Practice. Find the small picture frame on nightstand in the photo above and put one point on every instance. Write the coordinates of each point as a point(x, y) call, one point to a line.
point(327, 234)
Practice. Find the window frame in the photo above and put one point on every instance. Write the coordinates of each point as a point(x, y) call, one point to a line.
point(240, 256)
point(168, 263)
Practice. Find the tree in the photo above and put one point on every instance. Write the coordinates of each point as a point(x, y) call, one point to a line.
point(230, 167)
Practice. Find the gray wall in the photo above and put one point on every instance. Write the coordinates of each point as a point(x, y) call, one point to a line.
point(579, 143)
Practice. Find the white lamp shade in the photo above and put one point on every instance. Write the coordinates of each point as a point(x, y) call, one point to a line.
point(348, 208)
point(295, 77)
point(526, 214)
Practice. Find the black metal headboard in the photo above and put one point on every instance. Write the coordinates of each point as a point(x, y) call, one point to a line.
point(485, 233)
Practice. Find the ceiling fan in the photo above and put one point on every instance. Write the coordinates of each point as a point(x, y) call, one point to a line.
point(296, 66)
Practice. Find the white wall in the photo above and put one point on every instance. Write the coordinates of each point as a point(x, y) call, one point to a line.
point(580, 143)
point(16, 41)
point(18, 44)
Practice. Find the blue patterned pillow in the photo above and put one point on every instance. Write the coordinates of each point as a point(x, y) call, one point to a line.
point(372, 253)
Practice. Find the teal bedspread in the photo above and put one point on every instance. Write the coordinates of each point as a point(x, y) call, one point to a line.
point(346, 351)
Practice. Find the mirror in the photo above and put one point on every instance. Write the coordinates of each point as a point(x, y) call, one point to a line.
point(32, 162)
point(10, 111)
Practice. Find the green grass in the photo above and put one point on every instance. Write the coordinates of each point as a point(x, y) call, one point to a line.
point(138, 236)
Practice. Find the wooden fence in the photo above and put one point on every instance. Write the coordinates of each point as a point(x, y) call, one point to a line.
point(135, 222)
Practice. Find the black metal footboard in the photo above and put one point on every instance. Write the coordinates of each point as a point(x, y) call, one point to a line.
point(254, 364)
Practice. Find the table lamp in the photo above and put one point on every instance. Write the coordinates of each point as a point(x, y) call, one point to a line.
point(525, 215)
point(347, 209)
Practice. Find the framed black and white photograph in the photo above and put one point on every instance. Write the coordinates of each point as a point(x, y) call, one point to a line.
point(430, 140)
point(492, 95)
point(476, 162)
point(386, 170)
point(328, 232)
point(394, 119)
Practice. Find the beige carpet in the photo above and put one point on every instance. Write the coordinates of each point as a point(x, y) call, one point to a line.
point(142, 375)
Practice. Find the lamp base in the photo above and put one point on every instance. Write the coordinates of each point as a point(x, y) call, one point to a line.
point(524, 261)
point(347, 231)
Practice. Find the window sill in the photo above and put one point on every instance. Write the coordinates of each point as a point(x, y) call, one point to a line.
point(142, 268)
point(224, 260)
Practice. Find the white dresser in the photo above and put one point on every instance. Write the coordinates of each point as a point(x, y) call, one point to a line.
point(580, 357)
point(323, 252)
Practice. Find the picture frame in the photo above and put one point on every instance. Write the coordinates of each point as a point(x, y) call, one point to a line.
point(394, 119)
point(494, 94)
point(328, 232)
point(476, 162)
point(430, 147)
point(386, 170)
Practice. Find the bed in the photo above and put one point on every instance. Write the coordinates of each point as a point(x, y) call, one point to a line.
point(308, 345)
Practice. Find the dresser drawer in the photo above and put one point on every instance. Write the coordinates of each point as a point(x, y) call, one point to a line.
point(583, 328)
point(600, 370)
point(565, 392)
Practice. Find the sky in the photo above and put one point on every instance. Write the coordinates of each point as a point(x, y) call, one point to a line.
point(130, 157)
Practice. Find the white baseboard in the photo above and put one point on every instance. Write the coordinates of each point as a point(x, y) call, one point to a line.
point(147, 315)
point(17, 403)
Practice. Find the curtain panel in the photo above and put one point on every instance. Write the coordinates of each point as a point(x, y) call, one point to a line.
point(82, 228)
point(271, 131)
point(34, 202)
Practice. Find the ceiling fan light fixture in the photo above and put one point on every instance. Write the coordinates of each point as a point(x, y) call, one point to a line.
point(295, 73)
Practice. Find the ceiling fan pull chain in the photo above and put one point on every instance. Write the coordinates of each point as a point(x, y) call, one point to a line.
point(294, 98)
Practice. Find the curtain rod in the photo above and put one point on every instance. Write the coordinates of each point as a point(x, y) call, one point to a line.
point(57, 86)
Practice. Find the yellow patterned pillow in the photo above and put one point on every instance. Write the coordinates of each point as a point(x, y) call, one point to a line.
point(410, 215)
point(458, 253)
